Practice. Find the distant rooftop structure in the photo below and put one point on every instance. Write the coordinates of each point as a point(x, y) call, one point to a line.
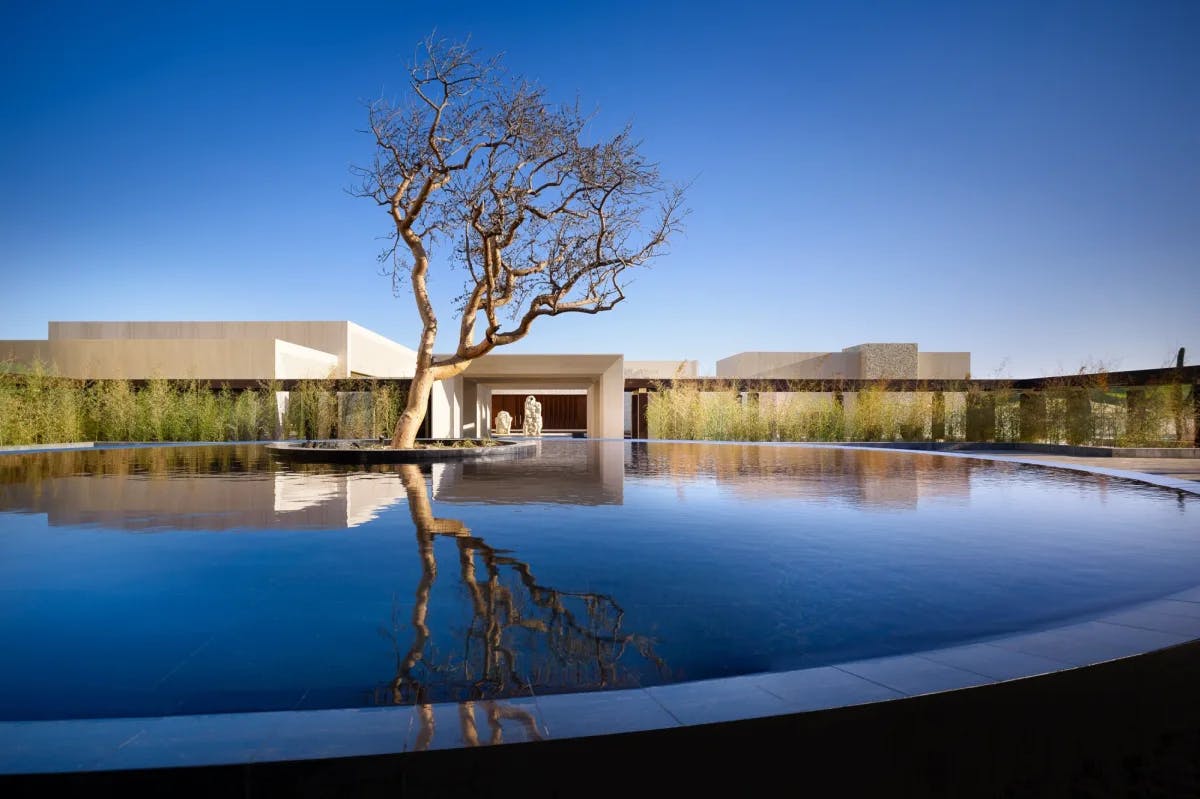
point(895, 361)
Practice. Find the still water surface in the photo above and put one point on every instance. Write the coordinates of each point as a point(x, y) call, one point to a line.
point(175, 580)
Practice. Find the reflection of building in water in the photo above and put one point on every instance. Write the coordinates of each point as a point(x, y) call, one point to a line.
point(140, 489)
point(339, 500)
point(233, 487)
point(580, 473)
point(871, 478)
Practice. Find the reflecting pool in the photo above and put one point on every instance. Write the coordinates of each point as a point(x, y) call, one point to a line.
point(141, 581)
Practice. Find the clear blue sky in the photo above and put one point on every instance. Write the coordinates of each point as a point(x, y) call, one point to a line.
point(1021, 180)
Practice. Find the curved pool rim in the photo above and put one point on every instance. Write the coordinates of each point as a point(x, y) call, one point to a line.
point(124, 744)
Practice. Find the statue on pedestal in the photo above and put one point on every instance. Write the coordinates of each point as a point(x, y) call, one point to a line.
point(503, 423)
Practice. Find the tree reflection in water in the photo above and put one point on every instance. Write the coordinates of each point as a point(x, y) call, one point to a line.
point(579, 640)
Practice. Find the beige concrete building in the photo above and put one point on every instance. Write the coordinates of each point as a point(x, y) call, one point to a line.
point(862, 361)
point(588, 390)
point(213, 351)
point(218, 351)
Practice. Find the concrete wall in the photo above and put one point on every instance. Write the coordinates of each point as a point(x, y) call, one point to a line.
point(790, 365)
point(758, 364)
point(944, 365)
point(897, 361)
point(826, 366)
point(893, 361)
point(202, 359)
point(471, 427)
point(483, 410)
point(446, 408)
point(534, 388)
point(331, 337)
point(194, 349)
point(27, 352)
point(595, 418)
point(294, 362)
point(611, 390)
point(373, 355)
point(661, 370)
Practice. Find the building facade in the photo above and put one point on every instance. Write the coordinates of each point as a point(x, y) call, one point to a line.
point(863, 361)
point(585, 393)
point(213, 351)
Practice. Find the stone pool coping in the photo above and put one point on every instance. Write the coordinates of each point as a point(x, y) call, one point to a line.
point(1031, 459)
point(120, 744)
point(354, 452)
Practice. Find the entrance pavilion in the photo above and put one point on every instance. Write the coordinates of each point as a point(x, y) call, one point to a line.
point(576, 391)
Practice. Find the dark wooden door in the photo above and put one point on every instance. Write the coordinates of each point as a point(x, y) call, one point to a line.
point(560, 412)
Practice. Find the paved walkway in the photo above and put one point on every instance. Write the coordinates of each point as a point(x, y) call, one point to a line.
point(1178, 468)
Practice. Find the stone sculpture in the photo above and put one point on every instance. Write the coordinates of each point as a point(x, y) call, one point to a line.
point(533, 416)
point(527, 416)
point(503, 423)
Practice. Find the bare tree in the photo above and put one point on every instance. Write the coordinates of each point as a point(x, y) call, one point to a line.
point(502, 182)
point(563, 647)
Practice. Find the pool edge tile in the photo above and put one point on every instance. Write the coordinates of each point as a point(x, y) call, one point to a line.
point(1090, 643)
point(915, 676)
point(197, 740)
point(603, 713)
point(477, 723)
point(65, 746)
point(716, 701)
point(1151, 617)
point(996, 663)
point(348, 732)
point(824, 688)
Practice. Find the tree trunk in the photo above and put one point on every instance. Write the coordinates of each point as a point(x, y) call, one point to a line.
point(409, 423)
